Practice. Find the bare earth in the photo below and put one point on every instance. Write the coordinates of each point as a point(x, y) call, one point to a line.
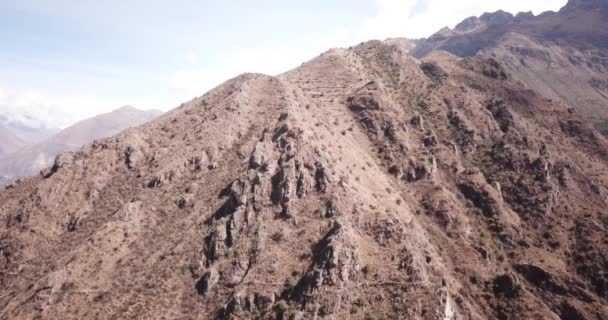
point(364, 184)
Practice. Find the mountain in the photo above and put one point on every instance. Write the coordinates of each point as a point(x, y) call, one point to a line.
point(364, 184)
point(562, 55)
point(405, 44)
point(33, 158)
point(9, 142)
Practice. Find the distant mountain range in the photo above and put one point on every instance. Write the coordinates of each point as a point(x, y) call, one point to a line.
point(30, 130)
point(465, 184)
point(24, 160)
point(561, 55)
point(9, 141)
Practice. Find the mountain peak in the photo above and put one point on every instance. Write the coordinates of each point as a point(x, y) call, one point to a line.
point(521, 16)
point(364, 182)
point(586, 5)
point(127, 108)
point(497, 17)
point(468, 24)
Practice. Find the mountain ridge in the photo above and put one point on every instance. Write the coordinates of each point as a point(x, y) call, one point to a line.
point(9, 142)
point(562, 55)
point(31, 159)
point(364, 183)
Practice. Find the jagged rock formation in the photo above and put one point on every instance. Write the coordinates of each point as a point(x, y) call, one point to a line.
point(561, 55)
point(362, 185)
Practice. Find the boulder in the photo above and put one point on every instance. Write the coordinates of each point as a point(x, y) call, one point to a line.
point(207, 281)
point(506, 285)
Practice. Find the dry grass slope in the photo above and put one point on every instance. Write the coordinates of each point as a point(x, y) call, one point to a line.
point(362, 185)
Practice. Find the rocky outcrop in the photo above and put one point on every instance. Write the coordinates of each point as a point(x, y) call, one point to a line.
point(502, 115)
point(356, 186)
point(561, 55)
point(433, 71)
point(506, 285)
point(335, 266)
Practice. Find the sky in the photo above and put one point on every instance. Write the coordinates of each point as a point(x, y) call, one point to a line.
point(65, 60)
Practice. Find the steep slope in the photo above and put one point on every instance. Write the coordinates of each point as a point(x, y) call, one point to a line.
point(363, 184)
point(9, 142)
point(562, 55)
point(31, 159)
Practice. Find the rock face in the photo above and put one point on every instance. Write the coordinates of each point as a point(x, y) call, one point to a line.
point(364, 184)
point(561, 55)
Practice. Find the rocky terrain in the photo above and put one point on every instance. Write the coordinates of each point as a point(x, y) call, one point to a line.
point(364, 184)
point(30, 159)
point(561, 55)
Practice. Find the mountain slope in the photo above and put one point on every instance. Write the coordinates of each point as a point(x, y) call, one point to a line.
point(363, 184)
point(31, 159)
point(562, 55)
point(9, 142)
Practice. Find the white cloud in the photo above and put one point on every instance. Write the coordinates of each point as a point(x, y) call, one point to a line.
point(194, 79)
point(421, 18)
point(108, 86)
point(392, 18)
point(35, 110)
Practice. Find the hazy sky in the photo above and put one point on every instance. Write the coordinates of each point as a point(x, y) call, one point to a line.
point(62, 60)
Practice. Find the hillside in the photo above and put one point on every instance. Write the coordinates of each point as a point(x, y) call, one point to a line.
point(562, 55)
point(364, 184)
point(33, 158)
